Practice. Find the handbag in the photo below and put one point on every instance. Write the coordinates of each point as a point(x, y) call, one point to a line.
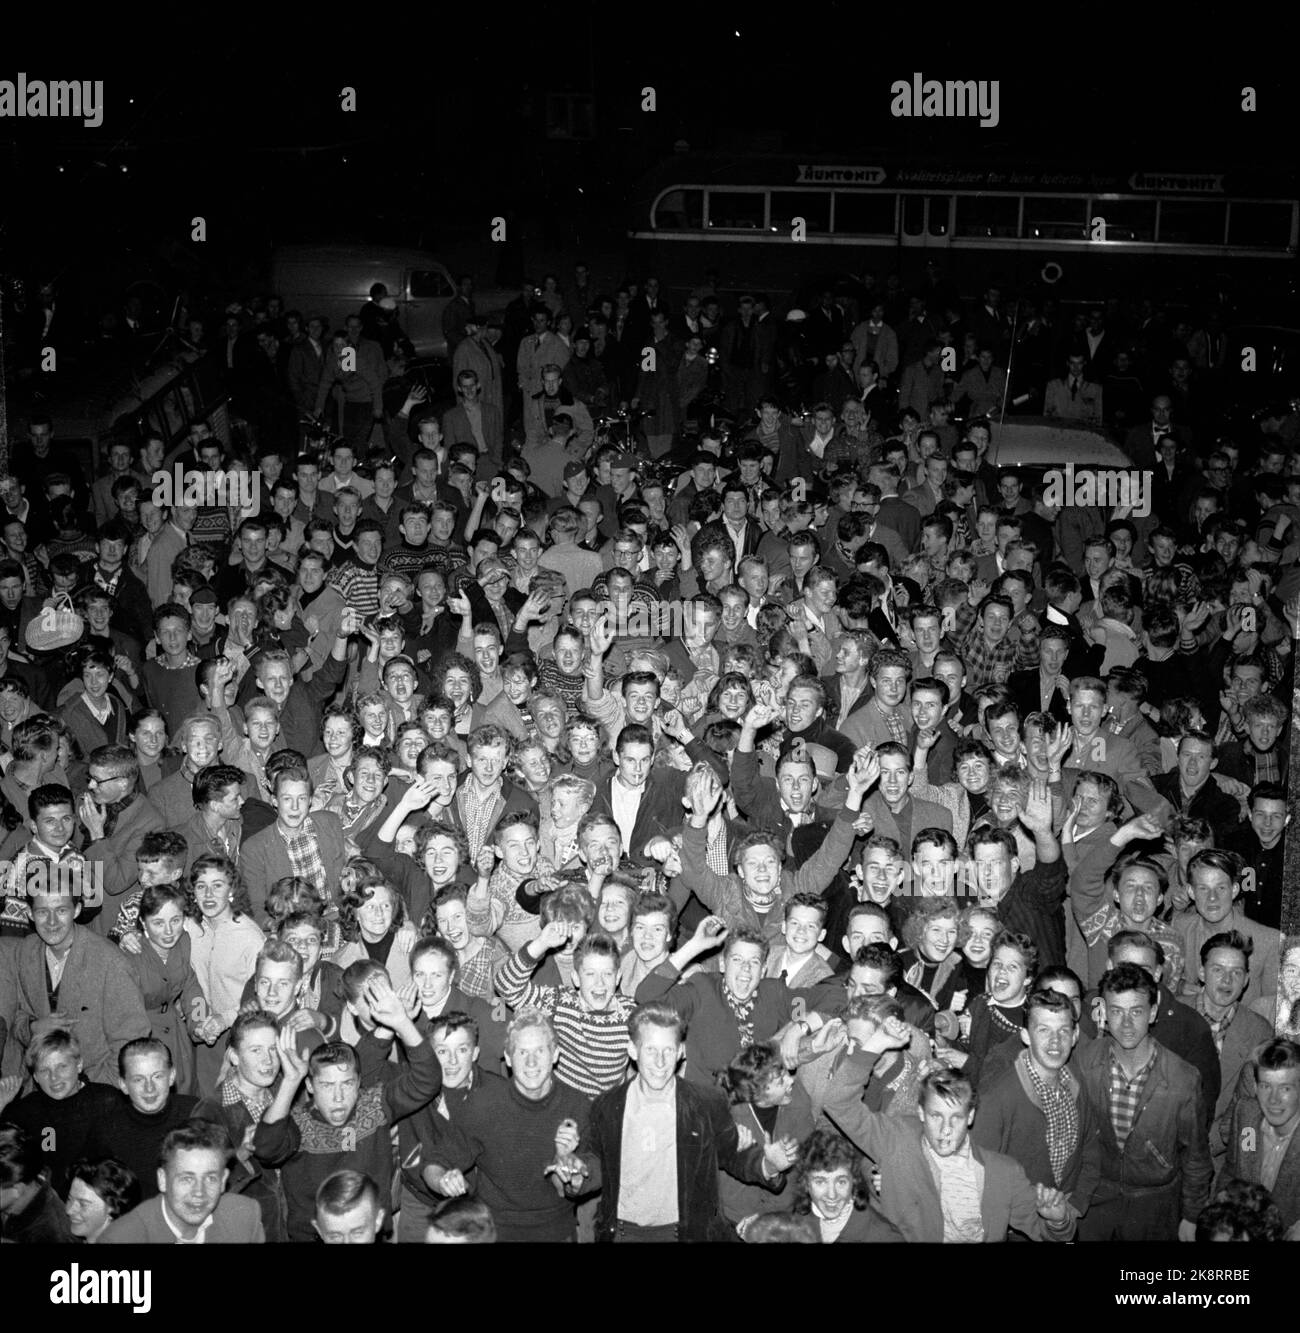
point(54, 627)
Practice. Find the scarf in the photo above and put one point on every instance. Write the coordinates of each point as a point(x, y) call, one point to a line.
point(743, 1012)
point(1062, 1112)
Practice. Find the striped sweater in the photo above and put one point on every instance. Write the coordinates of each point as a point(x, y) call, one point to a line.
point(593, 1044)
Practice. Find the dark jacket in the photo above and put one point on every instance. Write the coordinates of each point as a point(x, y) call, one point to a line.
point(1033, 905)
point(1180, 1029)
point(1211, 803)
point(1168, 1151)
point(1011, 1120)
point(707, 1141)
point(909, 1195)
point(659, 812)
point(1244, 1136)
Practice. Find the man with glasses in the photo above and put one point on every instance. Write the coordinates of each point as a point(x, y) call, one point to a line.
point(115, 815)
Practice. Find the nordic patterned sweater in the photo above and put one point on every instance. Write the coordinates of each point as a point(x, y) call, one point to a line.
point(307, 1150)
point(593, 1044)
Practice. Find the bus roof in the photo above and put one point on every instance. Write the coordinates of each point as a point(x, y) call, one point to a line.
point(884, 168)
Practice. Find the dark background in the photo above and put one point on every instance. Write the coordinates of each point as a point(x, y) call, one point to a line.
point(214, 114)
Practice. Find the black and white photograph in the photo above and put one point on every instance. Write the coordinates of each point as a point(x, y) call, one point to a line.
point(665, 626)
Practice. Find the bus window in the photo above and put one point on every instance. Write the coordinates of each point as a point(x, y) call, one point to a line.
point(426, 284)
point(680, 210)
point(913, 214)
point(1191, 222)
point(1260, 226)
point(737, 210)
point(813, 206)
point(938, 225)
point(858, 213)
point(1126, 219)
point(1056, 219)
point(986, 215)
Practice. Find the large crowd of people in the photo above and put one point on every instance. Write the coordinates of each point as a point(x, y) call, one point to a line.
point(491, 825)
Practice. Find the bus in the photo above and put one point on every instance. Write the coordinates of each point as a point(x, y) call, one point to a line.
point(1080, 234)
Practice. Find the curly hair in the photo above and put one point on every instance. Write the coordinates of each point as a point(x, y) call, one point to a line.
point(457, 662)
point(240, 903)
point(928, 910)
point(357, 897)
point(828, 1150)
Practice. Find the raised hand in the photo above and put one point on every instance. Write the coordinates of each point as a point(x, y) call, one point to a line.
point(1059, 745)
point(293, 1067)
point(1143, 827)
point(554, 935)
point(1037, 814)
point(927, 738)
point(761, 714)
point(131, 942)
point(386, 1006)
point(602, 636)
point(864, 772)
point(830, 1037)
point(486, 862)
point(703, 790)
point(92, 816)
point(9, 1089)
point(781, 1154)
point(459, 604)
point(419, 794)
point(711, 932)
point(673, 725)
point(892, 1035)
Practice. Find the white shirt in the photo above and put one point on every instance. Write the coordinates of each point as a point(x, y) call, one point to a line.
point(200, 1236)
point(737, 535)
point(624, 803)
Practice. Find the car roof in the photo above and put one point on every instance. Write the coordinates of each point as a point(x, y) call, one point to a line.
point(360, 256)
point(1042, 442)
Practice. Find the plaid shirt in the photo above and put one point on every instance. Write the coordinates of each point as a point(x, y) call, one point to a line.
point(1125, 1095)
point(304, 853)
point(985, 664)
point(1062, 1111)
point(963, 617)
point(255, 1106)
point(476, 813)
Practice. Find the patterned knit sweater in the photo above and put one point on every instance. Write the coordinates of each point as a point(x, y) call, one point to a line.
point(593, 1044)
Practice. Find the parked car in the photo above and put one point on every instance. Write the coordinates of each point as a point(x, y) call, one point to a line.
point(335, 281)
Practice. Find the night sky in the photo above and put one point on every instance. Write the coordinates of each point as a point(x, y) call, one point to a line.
point(450, 127)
